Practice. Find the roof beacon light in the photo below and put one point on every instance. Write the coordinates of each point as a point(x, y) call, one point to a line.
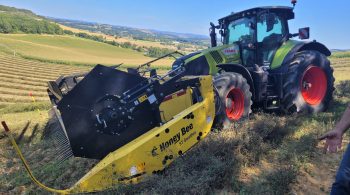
point(294, 2)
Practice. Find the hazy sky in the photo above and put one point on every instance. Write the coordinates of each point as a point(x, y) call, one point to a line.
point(329, 19)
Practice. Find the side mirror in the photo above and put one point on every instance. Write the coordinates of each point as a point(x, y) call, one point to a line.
point(212, 34)
point(304, 33)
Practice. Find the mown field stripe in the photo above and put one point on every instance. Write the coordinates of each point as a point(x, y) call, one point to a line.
point(12, 63)
point(48, 78)
point(14, 69)
point(22, 60)
point(25, 78)
point(24, 87)
point(20, 81)
point(11, 98)
point(42, 70)
point(21, 92)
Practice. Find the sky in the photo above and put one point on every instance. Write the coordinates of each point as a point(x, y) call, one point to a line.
point(328, 19)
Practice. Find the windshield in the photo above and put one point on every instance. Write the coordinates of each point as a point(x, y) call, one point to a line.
point(277, 30)
point(240, 30)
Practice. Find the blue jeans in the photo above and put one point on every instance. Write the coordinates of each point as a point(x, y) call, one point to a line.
point(342, 180)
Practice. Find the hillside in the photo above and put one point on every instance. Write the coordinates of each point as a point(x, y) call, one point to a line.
point(13, 20)
point(173, 45)
point(135, 33)
point(70, 50)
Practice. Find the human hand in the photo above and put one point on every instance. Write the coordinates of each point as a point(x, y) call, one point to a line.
point(333, 140)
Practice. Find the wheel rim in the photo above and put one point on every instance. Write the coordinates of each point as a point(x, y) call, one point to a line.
point(314, 85)
point(234, 104)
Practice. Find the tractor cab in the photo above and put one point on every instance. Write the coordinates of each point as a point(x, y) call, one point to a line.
point(258, 32)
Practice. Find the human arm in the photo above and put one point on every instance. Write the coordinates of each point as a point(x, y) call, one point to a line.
point(334, 137)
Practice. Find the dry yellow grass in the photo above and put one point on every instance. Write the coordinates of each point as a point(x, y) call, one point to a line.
point(21, 92)
point(19, 78)
point(20, 99)
point(341, 68)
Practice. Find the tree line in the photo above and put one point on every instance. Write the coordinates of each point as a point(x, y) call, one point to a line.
point(21, 24)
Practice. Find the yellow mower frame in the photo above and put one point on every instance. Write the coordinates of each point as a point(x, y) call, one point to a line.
point(185, 124)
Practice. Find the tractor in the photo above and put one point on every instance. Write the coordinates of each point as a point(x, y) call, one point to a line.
point(137, 125)
point(258, 65)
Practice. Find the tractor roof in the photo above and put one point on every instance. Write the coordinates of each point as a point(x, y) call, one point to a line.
point(287, 11)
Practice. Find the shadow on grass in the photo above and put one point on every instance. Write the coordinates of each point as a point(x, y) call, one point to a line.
point(23, 131)
point(34, 133)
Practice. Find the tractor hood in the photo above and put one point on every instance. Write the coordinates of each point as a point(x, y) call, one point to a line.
point(205, 62)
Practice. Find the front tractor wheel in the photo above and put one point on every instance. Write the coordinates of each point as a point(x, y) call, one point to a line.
point(233, 99)
point(309, 84)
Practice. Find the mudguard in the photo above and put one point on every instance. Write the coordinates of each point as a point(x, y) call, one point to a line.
point(288, 50)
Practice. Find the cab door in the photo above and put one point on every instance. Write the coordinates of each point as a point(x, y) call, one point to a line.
point(242, 32)
point(271, 32)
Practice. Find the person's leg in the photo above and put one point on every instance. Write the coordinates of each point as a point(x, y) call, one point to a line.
point(342, 180)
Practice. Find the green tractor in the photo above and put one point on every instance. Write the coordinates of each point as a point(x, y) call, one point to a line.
point(258, 65)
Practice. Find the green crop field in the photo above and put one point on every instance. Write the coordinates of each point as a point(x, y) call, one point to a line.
point(267, 154)
point(70, 50)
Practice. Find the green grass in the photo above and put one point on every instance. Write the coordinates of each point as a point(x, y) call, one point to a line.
point(25, 107)
point(65, 49)
point(341, 54)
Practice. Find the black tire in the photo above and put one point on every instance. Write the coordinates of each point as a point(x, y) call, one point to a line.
point(295, 83)
point(226, 84)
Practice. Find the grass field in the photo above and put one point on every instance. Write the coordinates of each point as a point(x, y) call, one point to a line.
point(268, 154)
point(142, 43)
point(341, 67)
point(20, 77)
point(71, 50)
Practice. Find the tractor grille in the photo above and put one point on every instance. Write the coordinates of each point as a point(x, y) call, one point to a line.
point(216, 56)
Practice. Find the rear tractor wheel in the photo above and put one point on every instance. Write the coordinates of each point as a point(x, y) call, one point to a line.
point(233, 99)
point(309, 84)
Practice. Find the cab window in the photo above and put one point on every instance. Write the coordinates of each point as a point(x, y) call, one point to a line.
point(239, 30)
point(270, 25)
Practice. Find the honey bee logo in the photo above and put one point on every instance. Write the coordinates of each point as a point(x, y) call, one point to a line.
point(154, 151)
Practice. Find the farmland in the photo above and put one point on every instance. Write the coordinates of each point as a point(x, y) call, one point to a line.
point(262, 149)
point(341, 67)
point(23, 88)
point(185, 47)
point(66, 49)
